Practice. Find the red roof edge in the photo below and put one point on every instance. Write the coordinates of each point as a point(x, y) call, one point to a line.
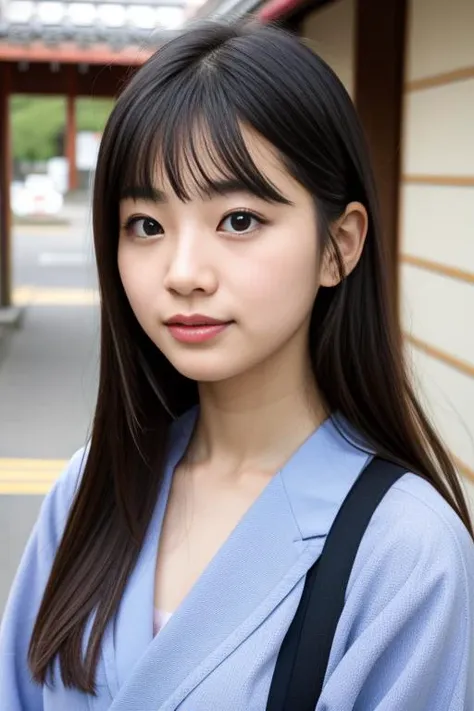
point(69, 53)
point(276, 9)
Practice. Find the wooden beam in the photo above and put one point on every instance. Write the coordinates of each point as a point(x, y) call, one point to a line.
point(71, 128)
point(69, 53)
point(379, 71)
point(94, 80)
point(5, 180)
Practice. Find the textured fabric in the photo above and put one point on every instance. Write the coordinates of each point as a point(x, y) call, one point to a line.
point(405, 640)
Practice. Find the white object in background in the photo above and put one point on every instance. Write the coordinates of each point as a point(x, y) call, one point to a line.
point(58, 172)
point(37, 196)
point(87, 149)
point(20, 205)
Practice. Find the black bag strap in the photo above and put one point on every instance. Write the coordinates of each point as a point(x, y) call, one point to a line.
point(304, 654)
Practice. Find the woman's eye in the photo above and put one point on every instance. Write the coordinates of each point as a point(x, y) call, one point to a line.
point(240, 222)
point(143, 227)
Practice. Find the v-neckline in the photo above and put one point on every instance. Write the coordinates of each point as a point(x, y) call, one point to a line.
point(280, 535)
point(127, 653)
point(185, 439)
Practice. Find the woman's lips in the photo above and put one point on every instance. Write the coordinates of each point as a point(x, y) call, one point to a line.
point(195, 334)
point(195, 329)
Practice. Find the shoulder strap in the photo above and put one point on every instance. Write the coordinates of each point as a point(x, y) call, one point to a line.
point(302, 662)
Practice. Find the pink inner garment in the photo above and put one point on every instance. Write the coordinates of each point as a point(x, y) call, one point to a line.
point(160, 618)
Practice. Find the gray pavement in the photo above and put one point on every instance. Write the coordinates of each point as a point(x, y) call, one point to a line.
point(55, 255)
point(47, 382)
point(48, 368)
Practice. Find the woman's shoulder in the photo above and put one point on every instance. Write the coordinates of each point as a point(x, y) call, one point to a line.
point(64, 489)
point(416, 536)
point(405, 635)
point(413, 519)
point(415, 512)
point(411, 585)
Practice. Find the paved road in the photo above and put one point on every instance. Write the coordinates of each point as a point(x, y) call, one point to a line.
point(48, 374)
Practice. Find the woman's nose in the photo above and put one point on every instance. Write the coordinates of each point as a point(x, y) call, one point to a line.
point(189, 270)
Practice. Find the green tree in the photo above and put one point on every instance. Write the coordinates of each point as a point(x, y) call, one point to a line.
point(38, 121)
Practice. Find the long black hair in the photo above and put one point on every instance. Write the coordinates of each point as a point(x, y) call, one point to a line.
point(192, 98)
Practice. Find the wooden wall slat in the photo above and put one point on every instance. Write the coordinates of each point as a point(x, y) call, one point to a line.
point(461, 365)
point(458, 181)
point(437, 268)
point(440, 79)
point(463, 468)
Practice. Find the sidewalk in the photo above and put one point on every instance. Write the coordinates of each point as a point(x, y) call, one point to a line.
point(5, 335)
point(48, 378)
point(48, 375)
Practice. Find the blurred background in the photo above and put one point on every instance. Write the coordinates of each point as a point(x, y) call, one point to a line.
point(409, 67)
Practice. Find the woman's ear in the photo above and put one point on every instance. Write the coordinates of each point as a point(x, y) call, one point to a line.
point(349, 233)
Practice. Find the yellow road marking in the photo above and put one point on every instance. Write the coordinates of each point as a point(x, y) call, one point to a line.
point(15, 476)
point(29, 476)
point(54, 296)
point(32, 463)
point(22, 488)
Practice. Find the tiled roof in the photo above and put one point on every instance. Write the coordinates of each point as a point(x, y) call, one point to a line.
point(117, 23)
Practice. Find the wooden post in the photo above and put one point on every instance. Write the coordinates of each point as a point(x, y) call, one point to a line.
point(380, 54)
point(5, 180)
point(71, 127)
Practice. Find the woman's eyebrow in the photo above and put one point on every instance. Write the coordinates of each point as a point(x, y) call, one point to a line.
point(229, 186)
point(146, 193)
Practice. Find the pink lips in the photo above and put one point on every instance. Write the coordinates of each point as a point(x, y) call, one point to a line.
point(195, 328)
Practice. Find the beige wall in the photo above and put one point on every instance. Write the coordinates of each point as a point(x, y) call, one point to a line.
point(437, 214)
point(331, 33)
point(437, 25)
point(437, 198)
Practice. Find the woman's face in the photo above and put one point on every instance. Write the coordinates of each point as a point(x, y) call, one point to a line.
point(233, 258)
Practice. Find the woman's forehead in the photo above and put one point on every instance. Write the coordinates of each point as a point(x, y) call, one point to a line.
point(204, 172)
point(203, 162)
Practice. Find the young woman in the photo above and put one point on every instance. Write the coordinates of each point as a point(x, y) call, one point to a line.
point(251, 365)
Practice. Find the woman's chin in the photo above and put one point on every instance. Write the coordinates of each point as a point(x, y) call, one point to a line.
point(203, 368)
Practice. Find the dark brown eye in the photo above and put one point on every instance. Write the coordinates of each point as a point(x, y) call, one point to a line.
point(144, 227)
point(240, 222)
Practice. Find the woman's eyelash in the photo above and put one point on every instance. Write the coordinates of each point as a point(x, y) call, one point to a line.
point(130, 223)
point(244, 211)
point(248, 213)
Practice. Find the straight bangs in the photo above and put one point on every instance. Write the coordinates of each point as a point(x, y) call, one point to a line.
point(188, 136)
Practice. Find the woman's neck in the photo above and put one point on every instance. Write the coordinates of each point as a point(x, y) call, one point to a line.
point(257, 420)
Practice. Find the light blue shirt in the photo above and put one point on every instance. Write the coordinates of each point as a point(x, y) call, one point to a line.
point(405, 641)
